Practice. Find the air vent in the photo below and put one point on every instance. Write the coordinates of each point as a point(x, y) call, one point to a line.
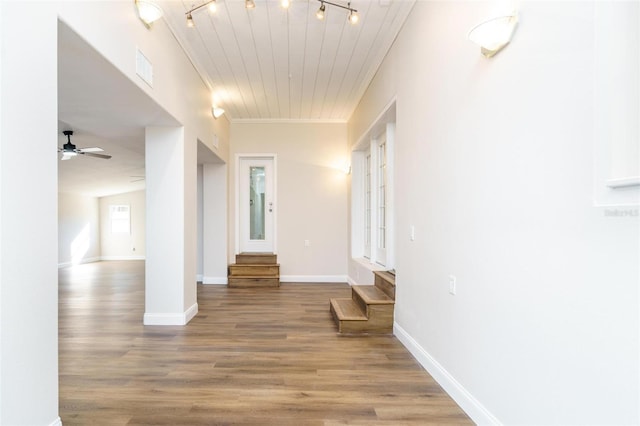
point(144, 69)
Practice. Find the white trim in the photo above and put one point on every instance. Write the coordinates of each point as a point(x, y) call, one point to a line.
point(368, 264)
point(366, 136)
point(99, 259)
point(87, 260)
point(56, 422)
point(198, 278)
point(215, 280)
point(288, 121)
point(171, 319)
point(474, 409)
point(313, 278)
point(624, 182)
point(351, 281)
point(122, 258)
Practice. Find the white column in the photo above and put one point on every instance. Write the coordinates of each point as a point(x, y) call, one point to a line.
point(28, 215)
point(214, 224)
point(170, 281)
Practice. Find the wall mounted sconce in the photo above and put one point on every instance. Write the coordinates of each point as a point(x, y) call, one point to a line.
point(494, 34)
point(148, 11)
point(217, 112)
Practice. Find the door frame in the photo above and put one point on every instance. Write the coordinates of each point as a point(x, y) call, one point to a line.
point(272, 157)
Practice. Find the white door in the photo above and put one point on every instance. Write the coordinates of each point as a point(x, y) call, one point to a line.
point(256, 212)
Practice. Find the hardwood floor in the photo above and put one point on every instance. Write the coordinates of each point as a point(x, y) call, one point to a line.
point(267, 356)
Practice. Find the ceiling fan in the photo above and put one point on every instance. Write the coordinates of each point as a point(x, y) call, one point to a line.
point(69, 150)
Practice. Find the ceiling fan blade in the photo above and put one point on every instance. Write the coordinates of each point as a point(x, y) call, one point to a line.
point(65, 156)
point(91, 154)
point(95, 149)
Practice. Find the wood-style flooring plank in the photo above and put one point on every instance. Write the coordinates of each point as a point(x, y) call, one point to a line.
point(266, 356)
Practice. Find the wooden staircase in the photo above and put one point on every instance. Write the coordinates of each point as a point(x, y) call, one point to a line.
point(254, 270)
point(370, 308)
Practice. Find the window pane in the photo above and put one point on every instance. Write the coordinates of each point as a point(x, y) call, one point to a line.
point(256, 203)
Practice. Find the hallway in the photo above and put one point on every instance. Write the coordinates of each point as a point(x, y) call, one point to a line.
point(250, 356)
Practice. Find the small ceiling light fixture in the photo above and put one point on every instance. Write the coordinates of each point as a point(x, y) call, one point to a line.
point(353, 13)
point(213, 7)
point(353, 16)
point(148, 11)
point(217, 112)
point(494, 34)
point(320, 12)
point(249, 4)
point(285, 3)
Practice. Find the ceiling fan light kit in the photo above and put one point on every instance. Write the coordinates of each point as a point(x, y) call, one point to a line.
point(69, 150)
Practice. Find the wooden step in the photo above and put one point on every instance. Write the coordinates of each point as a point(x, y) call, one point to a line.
point(256, 258)
point(348, 316)
point(252, 282)
point(386, 282)
point(372, 295)
point(254, 270)
point(352, 320)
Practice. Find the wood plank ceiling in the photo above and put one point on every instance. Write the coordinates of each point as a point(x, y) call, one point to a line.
point(271, 63)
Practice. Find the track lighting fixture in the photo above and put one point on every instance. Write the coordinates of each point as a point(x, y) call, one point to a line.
point(285, 4)
point(353, 17)
point(249, 4)
point(320, 12)
point(213, 7)
point(353, 13)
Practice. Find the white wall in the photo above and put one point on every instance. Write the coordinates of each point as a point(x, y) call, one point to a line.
point(78, 229)
point(311, 194)
point(494, 168)
point(28, 178)
point(123, 246)
point(214, 229)
point(28, 217)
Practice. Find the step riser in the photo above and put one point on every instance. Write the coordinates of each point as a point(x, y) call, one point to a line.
point(254, 270)
point(253, 282)
point(362, 327)
point(256, 259)
point(388, 288)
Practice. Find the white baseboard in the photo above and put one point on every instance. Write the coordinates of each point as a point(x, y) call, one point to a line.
point(98, 259)
point(171, 319)
point(474, 409)
point(87, 260)
point(313, 278)
point(122, 258)
point(215, 280)
point(351, 281)
point(56, 422)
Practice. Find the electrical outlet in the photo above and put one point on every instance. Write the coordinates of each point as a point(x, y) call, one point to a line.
point(412, 233)
point(452, 284)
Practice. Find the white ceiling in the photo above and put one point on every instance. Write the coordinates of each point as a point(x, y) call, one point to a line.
point(286, 64)
point(266, 64)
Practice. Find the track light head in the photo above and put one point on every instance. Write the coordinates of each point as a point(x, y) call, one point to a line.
point(320, 12)
point(190, 23)
point(213, 7)
point(249, 4)
point(353, 17)
point(285, 4)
